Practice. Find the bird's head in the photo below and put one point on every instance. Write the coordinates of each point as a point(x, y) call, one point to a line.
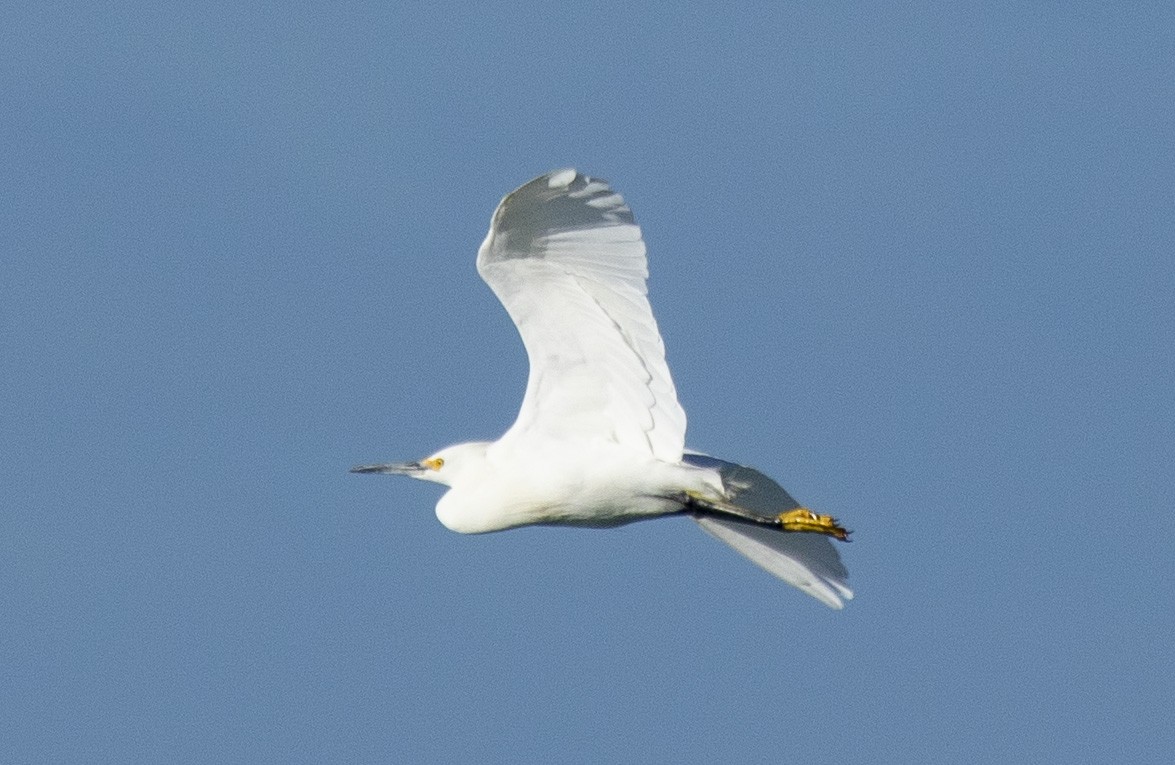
point(443, 467)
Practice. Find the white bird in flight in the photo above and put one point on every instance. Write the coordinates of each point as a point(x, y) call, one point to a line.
point(600, 438)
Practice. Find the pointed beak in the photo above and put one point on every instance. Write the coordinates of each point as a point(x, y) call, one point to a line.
point(398, 468)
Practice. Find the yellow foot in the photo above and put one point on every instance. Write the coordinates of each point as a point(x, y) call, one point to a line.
point(803, 519)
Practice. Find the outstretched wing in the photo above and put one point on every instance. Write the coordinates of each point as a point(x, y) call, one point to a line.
point(566, 259)
point(807, 561)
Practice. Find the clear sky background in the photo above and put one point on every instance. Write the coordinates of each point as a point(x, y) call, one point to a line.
point(915, 261)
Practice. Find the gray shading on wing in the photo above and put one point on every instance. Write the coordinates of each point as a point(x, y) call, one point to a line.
point(807, 561)
point(566, 259)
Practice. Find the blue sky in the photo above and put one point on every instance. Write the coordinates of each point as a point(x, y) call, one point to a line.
point(914, 261)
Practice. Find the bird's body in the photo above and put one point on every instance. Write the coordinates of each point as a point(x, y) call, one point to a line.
point(520, 481)
point(600, 437)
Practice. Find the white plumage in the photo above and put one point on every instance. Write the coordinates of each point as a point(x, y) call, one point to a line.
point(567, 261)
point(599, 439)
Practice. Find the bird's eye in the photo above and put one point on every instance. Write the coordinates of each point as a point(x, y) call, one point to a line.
point(434, 463)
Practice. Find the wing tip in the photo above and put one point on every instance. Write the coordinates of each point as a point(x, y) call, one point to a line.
point(787, 565)
point(562, 178)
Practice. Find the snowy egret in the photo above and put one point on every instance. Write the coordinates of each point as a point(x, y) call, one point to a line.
point(600, 438)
